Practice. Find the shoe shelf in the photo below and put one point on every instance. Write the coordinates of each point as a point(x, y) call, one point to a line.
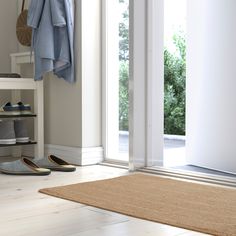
point(17, 85)
point(18, 144)
point(18, 116)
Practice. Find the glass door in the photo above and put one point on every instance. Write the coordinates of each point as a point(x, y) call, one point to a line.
point(174, 82)
point(116, 80)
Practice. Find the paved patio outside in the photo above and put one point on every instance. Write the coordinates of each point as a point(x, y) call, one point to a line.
point(174, 149)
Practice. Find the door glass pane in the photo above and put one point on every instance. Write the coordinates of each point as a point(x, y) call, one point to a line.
point(174, 82)
point(123, 80)
point(117, 80)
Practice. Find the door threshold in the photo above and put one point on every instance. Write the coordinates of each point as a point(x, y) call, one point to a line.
point(115, 163)
point(190, 175)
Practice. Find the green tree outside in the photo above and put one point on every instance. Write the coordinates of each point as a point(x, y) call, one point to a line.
point(124, 67)
point(174, 86)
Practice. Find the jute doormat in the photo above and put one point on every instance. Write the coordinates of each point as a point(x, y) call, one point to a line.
point(198, 207)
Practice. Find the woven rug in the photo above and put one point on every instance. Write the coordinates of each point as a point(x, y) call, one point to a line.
point(199, 207)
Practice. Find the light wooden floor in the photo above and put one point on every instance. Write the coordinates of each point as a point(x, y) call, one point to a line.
point(24, 211)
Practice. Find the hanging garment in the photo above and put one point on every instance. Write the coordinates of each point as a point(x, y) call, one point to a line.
point(52, 37)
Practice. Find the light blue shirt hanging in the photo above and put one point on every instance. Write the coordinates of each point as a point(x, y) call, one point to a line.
point(52, 39)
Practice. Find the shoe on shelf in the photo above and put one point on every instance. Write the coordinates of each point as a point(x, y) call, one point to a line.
point(25, 109)
point(22, 166)
point(10, 109)
point(21, 131)
point(7, 132)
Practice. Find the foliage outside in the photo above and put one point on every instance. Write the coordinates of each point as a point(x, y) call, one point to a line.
point(124, 67)
point(174, 79)
point(174, 85)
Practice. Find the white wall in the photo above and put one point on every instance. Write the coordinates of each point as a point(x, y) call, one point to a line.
point(89, 72)
point(211, 83)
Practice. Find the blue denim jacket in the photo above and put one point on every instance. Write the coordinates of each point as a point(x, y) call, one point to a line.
point(52, 40)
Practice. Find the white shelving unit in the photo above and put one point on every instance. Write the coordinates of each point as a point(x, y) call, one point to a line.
point(18, 84)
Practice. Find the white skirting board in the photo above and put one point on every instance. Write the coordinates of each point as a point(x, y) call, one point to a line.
point(74, 155)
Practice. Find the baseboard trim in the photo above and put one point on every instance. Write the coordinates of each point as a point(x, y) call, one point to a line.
point(73, 155)
point(76, 155)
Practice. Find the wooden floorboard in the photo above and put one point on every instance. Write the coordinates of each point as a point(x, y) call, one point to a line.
point(25, 212)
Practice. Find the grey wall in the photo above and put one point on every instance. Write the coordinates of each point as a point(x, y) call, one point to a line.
point(73, 111)
point(62, 112)
point(8, 41)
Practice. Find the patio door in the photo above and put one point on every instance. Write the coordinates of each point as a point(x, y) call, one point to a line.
point(211, 83)
point(211, 97)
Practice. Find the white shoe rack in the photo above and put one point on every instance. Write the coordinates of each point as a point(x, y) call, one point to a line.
point(18, 84)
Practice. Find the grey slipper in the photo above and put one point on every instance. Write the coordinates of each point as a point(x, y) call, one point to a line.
point(55, 163)
point(22, 166)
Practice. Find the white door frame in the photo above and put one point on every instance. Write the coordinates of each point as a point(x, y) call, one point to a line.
point(146, 85)
point(146, 90)
point(110, 79)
